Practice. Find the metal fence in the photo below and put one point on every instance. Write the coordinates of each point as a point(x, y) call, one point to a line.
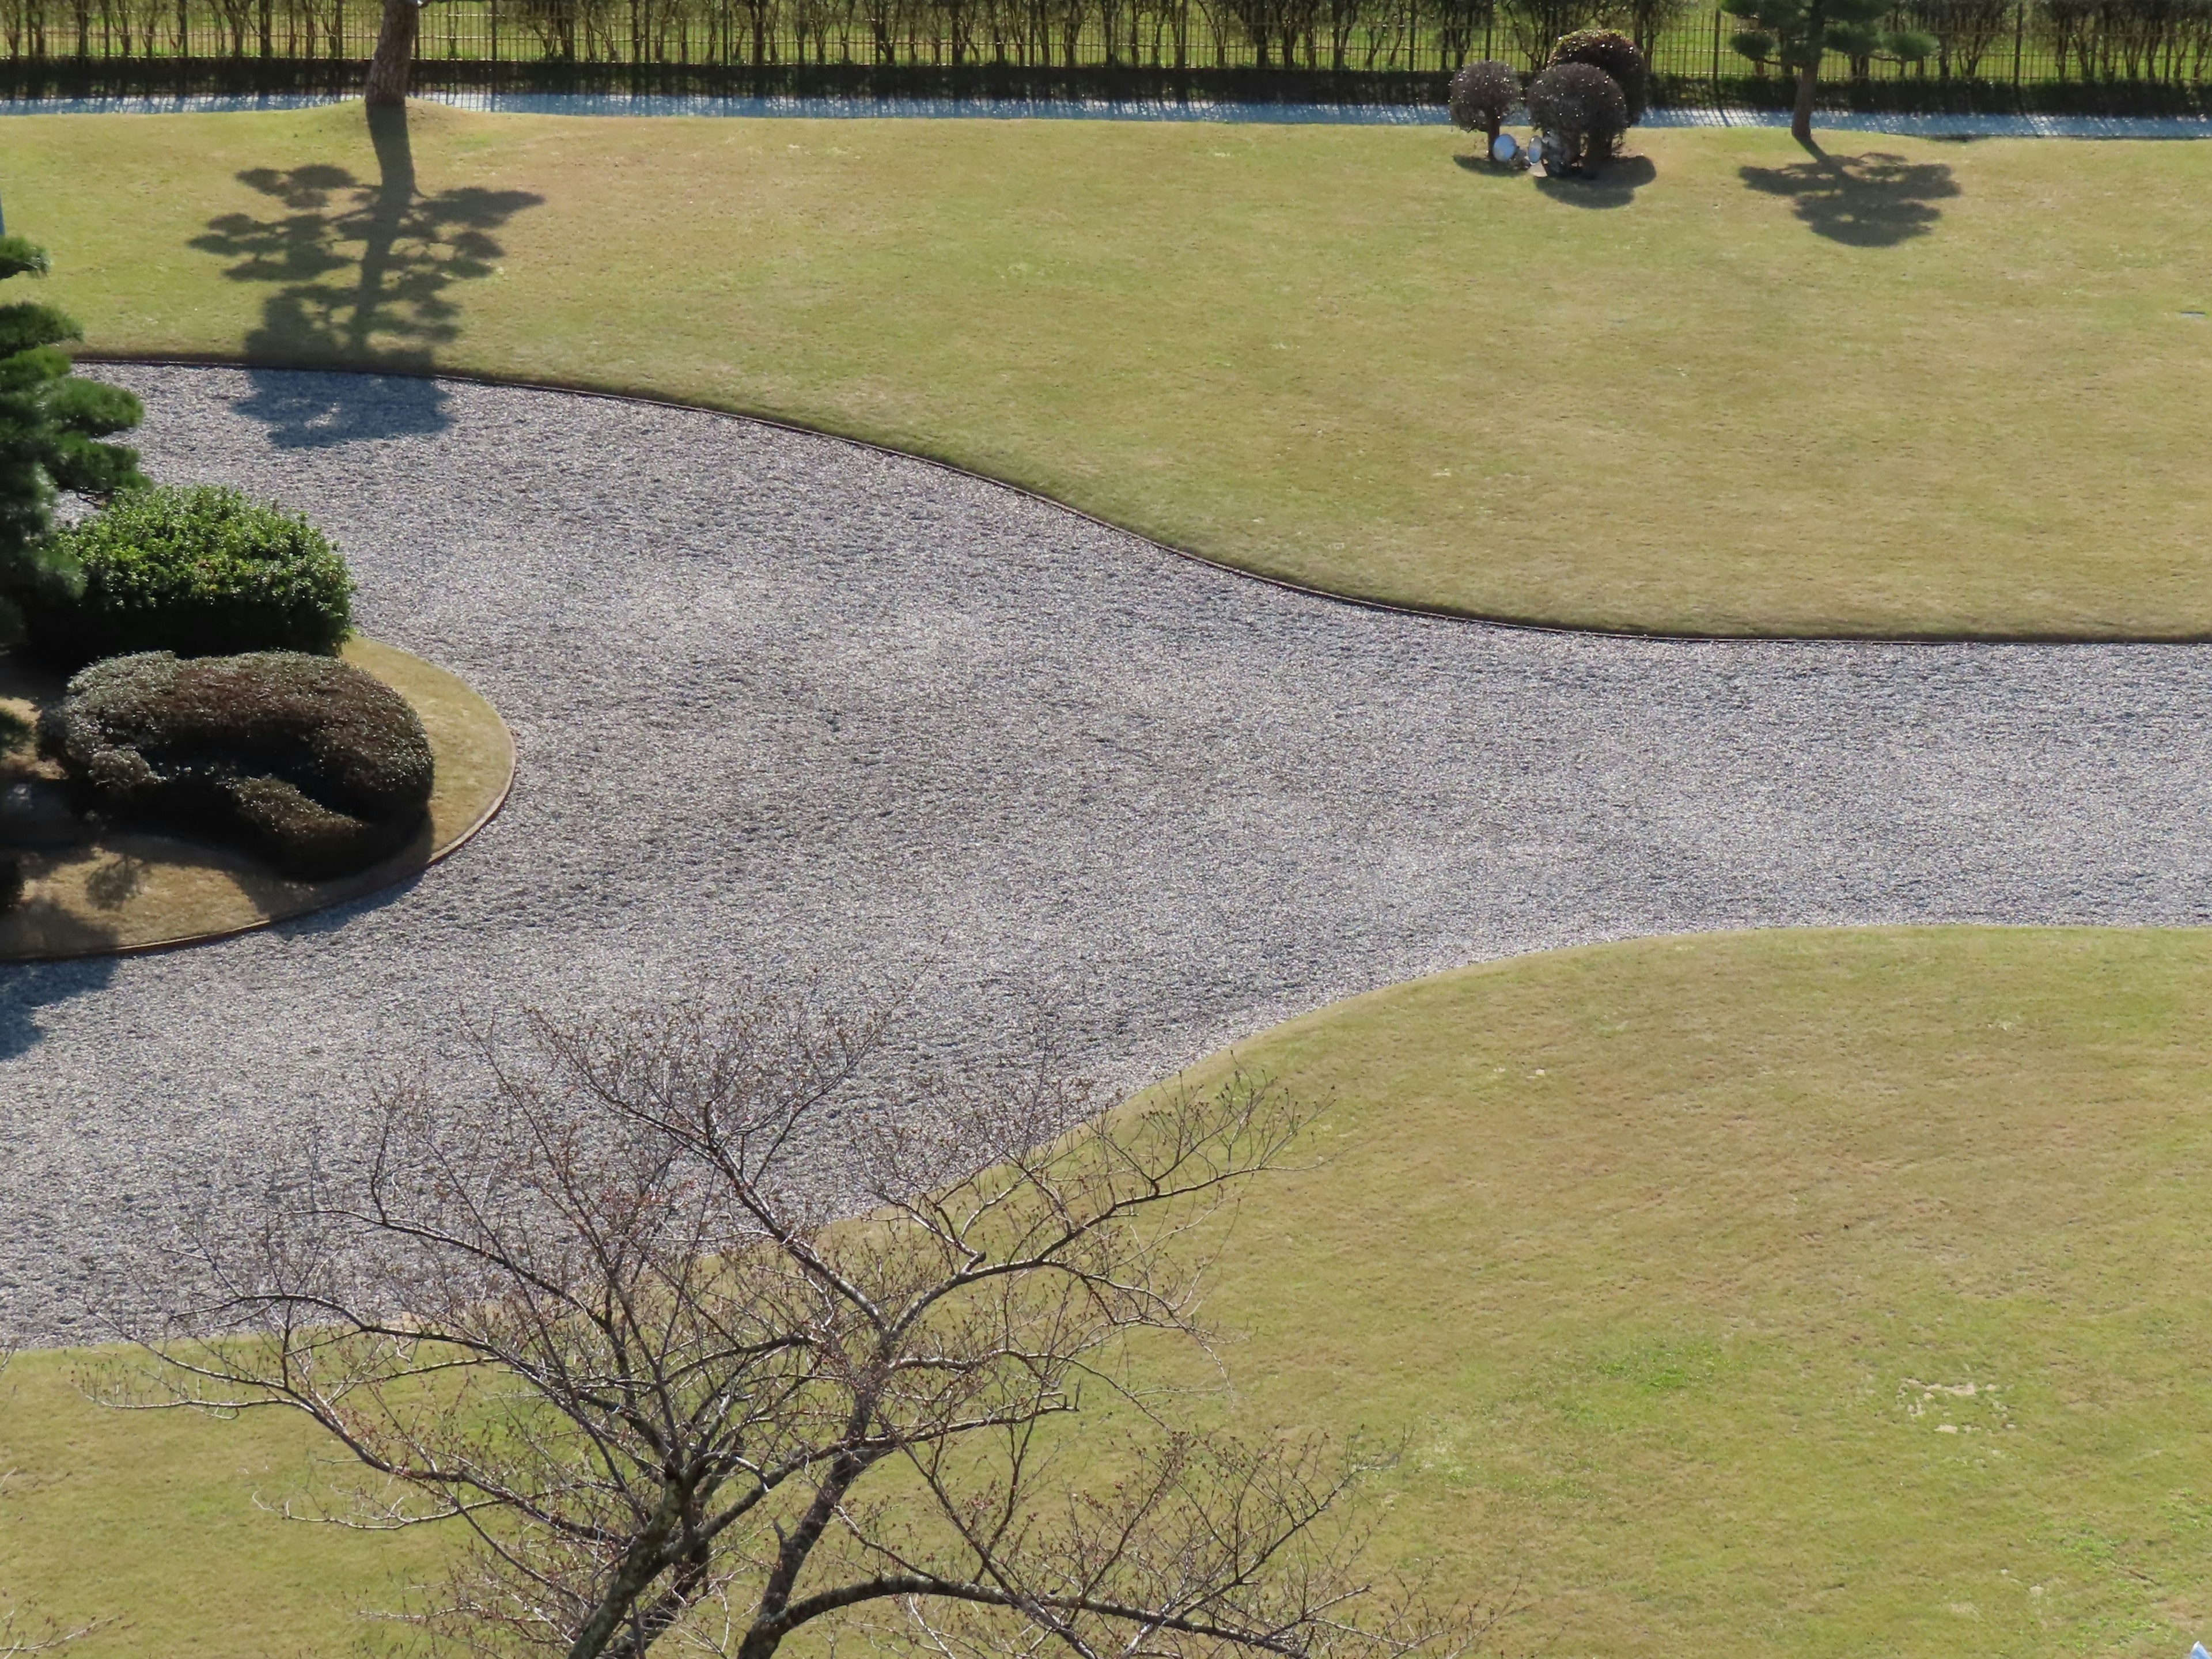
point(2103, 45)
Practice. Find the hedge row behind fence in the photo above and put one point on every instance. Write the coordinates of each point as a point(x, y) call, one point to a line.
point(2099, 54)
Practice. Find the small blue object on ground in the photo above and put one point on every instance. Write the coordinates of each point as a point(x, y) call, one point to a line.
point(2197, 1652)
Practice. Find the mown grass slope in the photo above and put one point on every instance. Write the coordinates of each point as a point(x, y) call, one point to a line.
point(1913, 387)
point(1778, 1294)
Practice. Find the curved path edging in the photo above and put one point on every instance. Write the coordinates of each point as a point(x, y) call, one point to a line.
point(784, 702)
point(579, 389)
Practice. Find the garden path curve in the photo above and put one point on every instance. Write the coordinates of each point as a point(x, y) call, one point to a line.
point(784, 702)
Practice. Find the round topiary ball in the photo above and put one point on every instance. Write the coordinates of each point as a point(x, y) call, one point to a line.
point(1582, 105)
point(318, 768)
point(1616, 54)
point(1483, 95)
point(200, 571)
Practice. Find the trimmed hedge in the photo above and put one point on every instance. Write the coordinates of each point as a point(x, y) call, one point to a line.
point(1583, 105)
point(1616, 54)
point(308, 762)
point(201, 571)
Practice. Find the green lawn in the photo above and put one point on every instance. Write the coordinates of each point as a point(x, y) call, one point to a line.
point(1795, 1294)
point(1952, 391)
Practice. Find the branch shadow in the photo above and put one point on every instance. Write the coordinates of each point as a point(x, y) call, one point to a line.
point(1874, 200)
point(359, 275)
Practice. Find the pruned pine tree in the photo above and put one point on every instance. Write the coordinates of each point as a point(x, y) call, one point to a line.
point(707, 1328)
point(51, 428)
point(1796, 33)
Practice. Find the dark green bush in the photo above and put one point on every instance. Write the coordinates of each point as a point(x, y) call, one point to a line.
point(1583, 107)
point(11, 884)
point(1615, 53)
point(200, 571)
point(316, 766)
point(1483, 95)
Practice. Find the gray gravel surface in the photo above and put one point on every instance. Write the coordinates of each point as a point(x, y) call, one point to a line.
point(783, 703)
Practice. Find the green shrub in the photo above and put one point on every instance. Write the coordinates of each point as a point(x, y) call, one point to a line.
point(1483, 95)
point(1615, 53)
point(1583, 107)
point(316, 766)
point(200, 571)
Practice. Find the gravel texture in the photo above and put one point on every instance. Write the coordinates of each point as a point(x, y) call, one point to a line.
point(787, 704)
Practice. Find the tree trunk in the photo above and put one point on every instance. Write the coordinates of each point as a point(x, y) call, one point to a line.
point(1801, 119)
point(389, 69)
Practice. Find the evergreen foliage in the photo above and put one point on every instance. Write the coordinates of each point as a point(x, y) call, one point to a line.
point(1617, 55)
point(1583, 107)
point(200, 571)
point(1483, 95)
point(1796, 33)
point(51, 425)
point(313, 765)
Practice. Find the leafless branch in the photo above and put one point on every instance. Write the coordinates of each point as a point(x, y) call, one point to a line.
point(721, 1321)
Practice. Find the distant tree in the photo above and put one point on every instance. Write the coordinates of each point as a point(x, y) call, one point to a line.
point(1645, 21)
point(1482, 95)
point(50, 424)
point(1536, 24)
point(599, 1311)
point(1796, 33)
point(1583, 107)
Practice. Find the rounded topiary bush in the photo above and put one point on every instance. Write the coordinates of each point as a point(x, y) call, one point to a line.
point(318, 768)
point(1616, 54)
point(1483, 95)
point(200, 571)
point(1583, 107)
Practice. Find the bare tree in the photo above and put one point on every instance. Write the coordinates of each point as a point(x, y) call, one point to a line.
point(618, 1312)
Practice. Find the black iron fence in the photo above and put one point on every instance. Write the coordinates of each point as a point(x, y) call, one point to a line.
point(2102, 54)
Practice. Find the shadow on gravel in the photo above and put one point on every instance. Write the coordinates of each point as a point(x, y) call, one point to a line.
point(359, 276)
point(1874, 200)
point(28, 987)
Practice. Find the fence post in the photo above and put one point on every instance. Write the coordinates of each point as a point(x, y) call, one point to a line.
point(2018, 36)
point(1717, 54)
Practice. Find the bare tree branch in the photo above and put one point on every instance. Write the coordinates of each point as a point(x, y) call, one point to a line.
point(720, 1322)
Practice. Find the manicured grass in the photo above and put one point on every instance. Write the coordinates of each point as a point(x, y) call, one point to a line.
point(1674, 1262)
point(1949, 391)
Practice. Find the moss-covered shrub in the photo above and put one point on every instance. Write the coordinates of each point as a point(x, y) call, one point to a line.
point(1616, 54)
point(1583, 107)
point(201, 571)
point(316, 766)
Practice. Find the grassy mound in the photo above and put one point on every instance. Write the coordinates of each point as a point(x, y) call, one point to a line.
point(1782, 1294)
point(1913, 387)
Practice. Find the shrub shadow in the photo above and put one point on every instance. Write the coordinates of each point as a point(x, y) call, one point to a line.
point(1874, 200)
point(359, 275)
point(1615, 185)
point(28, 987)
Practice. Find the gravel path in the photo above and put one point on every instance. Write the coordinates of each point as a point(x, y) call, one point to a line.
point(785, 703)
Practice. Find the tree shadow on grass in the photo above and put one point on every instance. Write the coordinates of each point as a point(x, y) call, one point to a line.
point(359, 276)
point(1613, 186)
point(1874, 200)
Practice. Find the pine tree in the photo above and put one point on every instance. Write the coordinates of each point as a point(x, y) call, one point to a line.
point(1797, 32)
point(50, 424)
